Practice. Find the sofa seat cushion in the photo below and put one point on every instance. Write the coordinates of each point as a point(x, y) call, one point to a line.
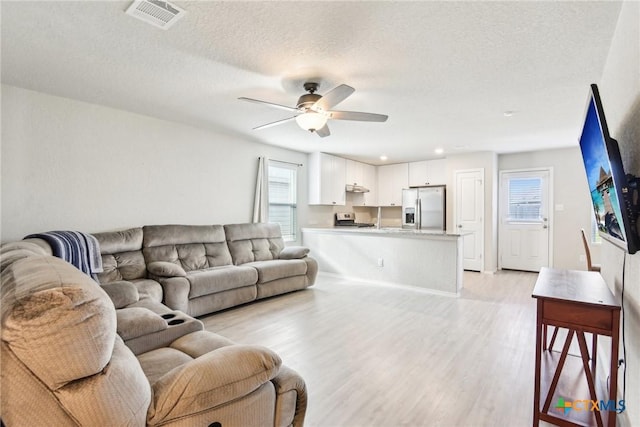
point(218, 279)
point(135, 322)
point(156, 363)
point(149, 289)
point(122, 293)
point(201, 342)
point(278, 269)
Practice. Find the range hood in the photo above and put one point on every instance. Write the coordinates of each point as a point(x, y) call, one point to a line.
point(349, 188)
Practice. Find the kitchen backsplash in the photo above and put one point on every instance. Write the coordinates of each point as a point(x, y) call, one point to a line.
point(323, 216)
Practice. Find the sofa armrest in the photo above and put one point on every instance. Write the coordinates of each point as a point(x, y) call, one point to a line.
point(175, 291)
point(165, 269)
point(291, 398)
point(134, 322)
point(213, 379)
point(293, 252)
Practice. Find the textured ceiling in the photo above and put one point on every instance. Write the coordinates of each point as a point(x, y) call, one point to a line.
point(444, 72)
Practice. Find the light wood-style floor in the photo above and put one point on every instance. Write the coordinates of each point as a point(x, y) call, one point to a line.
point(378, 355)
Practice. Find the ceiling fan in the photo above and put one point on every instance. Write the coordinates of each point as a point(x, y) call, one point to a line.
point(314, 110)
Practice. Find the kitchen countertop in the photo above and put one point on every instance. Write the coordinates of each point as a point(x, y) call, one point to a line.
point(384, 231)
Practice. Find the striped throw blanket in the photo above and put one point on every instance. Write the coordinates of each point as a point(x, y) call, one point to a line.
point(82, 250)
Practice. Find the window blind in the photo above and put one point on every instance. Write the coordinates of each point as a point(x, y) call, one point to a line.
point(525, 199)
point(282, 198)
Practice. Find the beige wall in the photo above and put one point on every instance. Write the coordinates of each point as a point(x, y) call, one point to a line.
point(620, 92)
point(571, 203)
point(72, 165)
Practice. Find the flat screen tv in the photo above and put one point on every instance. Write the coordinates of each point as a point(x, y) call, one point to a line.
point(615, 218)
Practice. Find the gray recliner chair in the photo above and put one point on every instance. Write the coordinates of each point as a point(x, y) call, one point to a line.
point(63, 362)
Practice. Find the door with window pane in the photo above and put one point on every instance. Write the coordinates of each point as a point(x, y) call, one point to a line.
point(524, 220)
point(282, 198)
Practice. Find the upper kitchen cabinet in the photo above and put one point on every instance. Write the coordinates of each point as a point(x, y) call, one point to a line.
point(363, 175)
point(391, 180)
point(354, 173)
point(428, 172)
point(327, 175)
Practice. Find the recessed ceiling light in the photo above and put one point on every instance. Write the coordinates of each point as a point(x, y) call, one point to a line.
point(383, 157)
point(509, 113)
point(439, 150)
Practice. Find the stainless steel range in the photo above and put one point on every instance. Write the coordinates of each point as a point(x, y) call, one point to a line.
point(348, 219)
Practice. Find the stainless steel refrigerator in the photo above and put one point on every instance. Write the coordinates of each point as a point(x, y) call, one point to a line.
point(423, 208)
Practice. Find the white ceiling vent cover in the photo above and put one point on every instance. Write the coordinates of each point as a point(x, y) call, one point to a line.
point(161, 14)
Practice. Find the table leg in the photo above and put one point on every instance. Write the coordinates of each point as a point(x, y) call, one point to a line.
point(556, 376)
point(594, 354)
point(553, 337)
point(613, 373)
point(536, 392)
point(584, 354)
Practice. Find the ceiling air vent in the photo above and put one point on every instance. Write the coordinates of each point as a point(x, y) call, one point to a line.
point(161, 14)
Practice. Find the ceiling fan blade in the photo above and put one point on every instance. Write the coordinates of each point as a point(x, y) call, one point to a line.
point(333, 97)
point(323, 131)
point(356, 115)
point(271, 104)
point(279, 122)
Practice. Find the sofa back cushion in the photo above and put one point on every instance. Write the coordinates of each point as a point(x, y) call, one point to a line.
point(122, 257)
point(192, 247)
point(57, 321)
point(62, 362)
point(254, 242)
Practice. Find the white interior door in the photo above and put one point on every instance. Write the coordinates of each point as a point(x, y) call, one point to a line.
point(524, 219)
point(469, 211)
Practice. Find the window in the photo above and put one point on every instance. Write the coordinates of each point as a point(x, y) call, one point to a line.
point(525, 199)
point(282, 198)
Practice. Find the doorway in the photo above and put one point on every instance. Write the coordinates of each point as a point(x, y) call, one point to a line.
point(468, 216)
point(525, 222)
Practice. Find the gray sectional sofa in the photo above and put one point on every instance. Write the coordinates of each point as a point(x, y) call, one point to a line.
point(201, 269)
point(129, 351)
point(78, 354)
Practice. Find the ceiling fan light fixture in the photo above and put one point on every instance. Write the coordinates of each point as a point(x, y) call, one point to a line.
point(311, 121)
point(313, 110)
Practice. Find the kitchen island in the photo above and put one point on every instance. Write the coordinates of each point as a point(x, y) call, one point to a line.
point(424, 259)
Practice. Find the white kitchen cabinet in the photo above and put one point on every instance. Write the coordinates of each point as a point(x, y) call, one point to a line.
point(326, 179)
point(428, 172)
point(369, 180)
point(391, 180)
point(354, 173)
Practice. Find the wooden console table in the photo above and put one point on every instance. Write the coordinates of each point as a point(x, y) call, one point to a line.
point(580, 302)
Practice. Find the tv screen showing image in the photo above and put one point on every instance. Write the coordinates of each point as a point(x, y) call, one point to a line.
point(605, 175)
